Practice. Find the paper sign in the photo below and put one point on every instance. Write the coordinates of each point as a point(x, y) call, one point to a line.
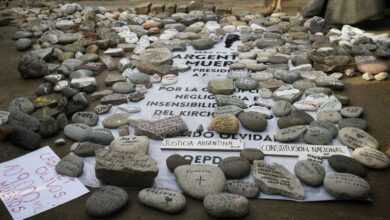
point(202, 144)
point(299, 149)
point(30, 185)
point(311, 157)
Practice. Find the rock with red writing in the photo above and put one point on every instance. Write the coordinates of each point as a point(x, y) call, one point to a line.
point(164, 128)
point(132, 169)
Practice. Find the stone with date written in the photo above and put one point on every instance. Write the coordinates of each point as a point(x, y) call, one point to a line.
point(168, 127)
point(166, 200)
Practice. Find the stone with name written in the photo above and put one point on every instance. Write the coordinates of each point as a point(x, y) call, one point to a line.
point(132, 169)
point(239, 187)
point(352, 122)
point(223, 100)
point(252, 154)
point(102, 109)
point(333, 104)
point(310, 172)
point(253, 121)
point(136, 76)
point(166, 200)
point(344, 164)
point(319, 98)
point(290, 133)
point(169, 79)
point(114, 99)
point(276, 179)
point(77, 132)
point(371, 158)
point(88, 118)
point(123, 87)
point(324, 124)
point(116, 120)
point(131, 143)
point(331, 116)
point(226, 124)
point(200, 180)
point(220, 86)
point(21, 104)
point(281, 108)
point(226, 205)
point(246, 83)
point(352, 112)
point(71, 165)
point(23, 120)
point(163, 128)
point(85, 149)
point(100, 136)
point(261, 76)
point(235, 167)
point(318, 136)
point(106, 200)
point(287, 94)
point(355, 137)
point(306, 105)
point(227, 110)
point(176, 160)
point(346, 186)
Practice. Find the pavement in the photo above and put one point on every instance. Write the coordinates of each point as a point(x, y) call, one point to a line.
point(373, 96)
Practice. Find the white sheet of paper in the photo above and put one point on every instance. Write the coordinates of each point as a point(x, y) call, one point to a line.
point(30, 185)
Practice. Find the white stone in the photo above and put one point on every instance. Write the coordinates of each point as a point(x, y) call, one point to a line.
point(381, 76)
point(306, 105)
point(169, 79)
point(368, 76)
point(371, 157)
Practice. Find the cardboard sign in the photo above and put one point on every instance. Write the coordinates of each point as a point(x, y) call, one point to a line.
point(299, 149)
point(202, 144)
point(30, 185)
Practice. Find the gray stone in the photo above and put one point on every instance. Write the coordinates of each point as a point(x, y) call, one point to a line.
point(31, 66)
point(62, 120)
point(346, 186)
point(88, 118)
point(220, 86)
point(235, 167)
point(132, 169)
point(176, 160)
point(23, 44)
point(352, 122)
point(318, 136)
point(77, 132)
point(287, 94)
point(276, 179)
point(48, 127)
point(114, 99)
point(252, 154)
point(268, 42)
point(324, 124)
point(226, 205)
point(22, 34)
point(316, 90)
point(136, 76)
point(331, 116)
point(265, 93)
point(246, 83)
point(281, 108)
point(4, 117)
point(123, 130)
point(333, 104)
point(166, 200)
point(123, 87)
point(23, 120)
point(253, 121)
point(198, 181)
point(21, 104)
point(223, 100)
point(86, 84)
point(60, 142)
point(80, 98)
point(310, 172)
point(106, 200)
point(43, 54)
point(131, 143)
point(227, 110)
point(85, 149)
point(158, 56)
point(25, 138)
point(113, 78)
point(70, 165)
point(163, 128)
point(202, 44)
point(44, 89)
point(355, 137)
point(239, 187)
point(102, 109)
point(290, 133)
point(344, 164)
point(116, 120)
point(100, 136)
point(352, 112)
point(237, 74)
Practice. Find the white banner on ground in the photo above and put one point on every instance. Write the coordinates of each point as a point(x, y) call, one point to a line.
point(30, 185)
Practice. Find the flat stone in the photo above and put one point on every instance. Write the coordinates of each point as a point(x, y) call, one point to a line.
point(166, 200)
point(252, 154)
point(306, 105)
point(70, 165)
point(246, 83)
point(226, 124)
point(333, 104)
point(303, 84)
point(268, 42)
point(318, 136)
point(131, 169)
point(352, 112)
point(25, 138)
point(352, 122)
point(176, 160)
point(290, 133)
point(239, 187)
point(329, 116)
point(319, 98)
point(287, 94)
point(327, 125)
point(371, 158)
point(88, 118)
point(160, 55)
point(220, 86)
point(23, 120)
point(136, 77)
point(253, 121)
point(86, 84)
point(48, 127)
point(261, 76)
point(235, 167)
point(226, 205)
point(77, 132)
point(115, 52)
point(102, 109)
point(100, 136)
point(344, 164)
point(276, 179)
point(169, 79)
point(131, 143)
point(381, 76)
point(227, 110)
point(271, 84)
point(223, 100)
point(265, 93)
point(329, 82)
point(202, 44)
point(281, 108)
point(316, 90)
point(198, 181)
point(310, 172)
point(113, 78)
point(355, 137)
point(123, 130)
point(114, 99)
point(123, 87)
point(346, 186)
point(106, 200)
point(116, 120)
point(21, 104)
point(168, 127)
point(85, 149)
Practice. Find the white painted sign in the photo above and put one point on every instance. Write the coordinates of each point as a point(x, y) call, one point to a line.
point(202, 144)
point(299, 149)
point(30, 185)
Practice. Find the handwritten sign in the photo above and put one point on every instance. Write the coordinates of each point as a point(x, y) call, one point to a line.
point(202, 144)
point(30, 185)
point(299, 149)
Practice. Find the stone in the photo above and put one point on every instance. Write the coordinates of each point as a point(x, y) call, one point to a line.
point(198, 181)
point(86, 84)
point(235, 167)
point(220, 86)
point(262, 43)
point(265, 93)
point(175, 161)
point(368, 76)
point(169, 79)
point(30, 66)
point(226, 205)
point(166, 200)
point(123, 87)
point(290, 134)
point(237, 74)
point(22, 34)
point(327, 125)
point(23, 120)
point(318, 98)
point(108, 61)
point(318, 136)
point(106, 200)
point(88, 118)
point(164, 128)
point(355, 137)
point(100, 136)
point(23, 44)
point(4, 117)
point(44, 89)
point(316, 90)
point(352, 112)
point(225, 124)
point(344, 164)
point(281, 108)
point(227, 110)
point(81, 98)
point(371, 158)
point(77, 132)
point(352, 122)
point(131, 169)
point(329, 116)
point(276, 179)
point(115, 52)
point(333, 104)
point(60, 142)
point(252, 154)
point(310, 172)
point(253, 121)
point(381, 76)
point(202, 44)
point(48, 127)
point(346, 186)
point(114, 99)
point(62, 120)
point(21, 104)
point(85, 149)
point(123, 130)
point(70, 165)
point(223, 100)
point(246, 83)
point(287, 94)
point(113, 78)
point(239, 187)
point(306, 105)
point(157, 56)
point(25, 138)
point(372, 66)
point(131, 143)
point(271, 84)
point(329, 82)
point(116, 120)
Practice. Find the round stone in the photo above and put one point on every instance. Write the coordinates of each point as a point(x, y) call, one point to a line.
point(226, 205)
point(290, 133)
point(318, 136)
point(281, 108)
point(235, 167)
point(116, 120)
point(176, 160)
point(353, 122)
point(329, 116)
point(77, 132)
point(71, 165)
point(88, 118)
point(352, 112)
point(344, 164)
point(106, 200)
point(21, 104)
point(246, 83)
point(319, 98)
point(166, 200)
point(123, 87)
point(371, 157)
point(48, 127)
point(346, 186)
point(227, 124)
point(246, 189)
point(355, 137)
point(253, 121)
point(23, 44)
point(265, 93)
point(252, 154)
point(372, 66)
point(310, 172)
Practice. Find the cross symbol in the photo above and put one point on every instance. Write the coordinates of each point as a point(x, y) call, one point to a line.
point(200, 180)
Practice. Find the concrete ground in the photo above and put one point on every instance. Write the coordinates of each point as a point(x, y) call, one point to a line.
point(374, 97)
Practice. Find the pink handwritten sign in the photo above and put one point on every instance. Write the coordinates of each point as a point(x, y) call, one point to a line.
point(30, 185)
